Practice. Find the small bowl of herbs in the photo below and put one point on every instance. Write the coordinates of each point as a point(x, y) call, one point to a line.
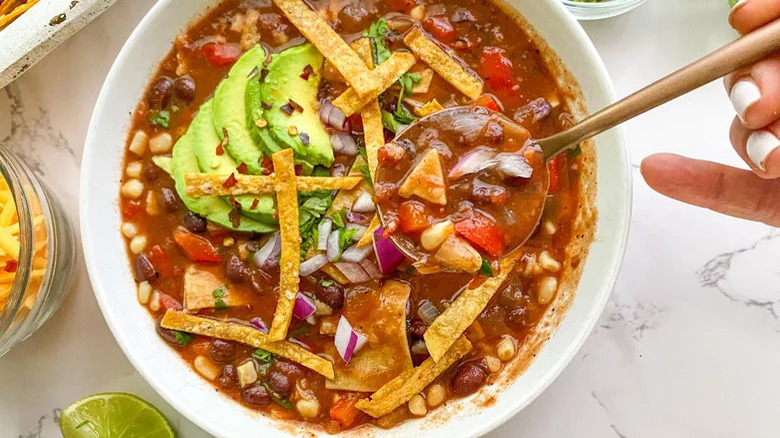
point(598, 9)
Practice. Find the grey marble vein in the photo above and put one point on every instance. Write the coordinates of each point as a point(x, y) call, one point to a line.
point(637, 318)
point(606, 410)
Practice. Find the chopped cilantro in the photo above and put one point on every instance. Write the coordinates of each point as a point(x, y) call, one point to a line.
point(376, 33)
point(338, 218)
point(402, 115)
point(574, 152)
point(390, 123)
point(160, 118)
point(409, 270)
point(309, 215)
point(278, 398)
point(485, 269)
point(182, 338)
point(299, 331)
point(219, 303)
point(326, 283)
point(363, 152)
point(363, 168)
point(262, 355)
point(345, 238)
point(407, 81)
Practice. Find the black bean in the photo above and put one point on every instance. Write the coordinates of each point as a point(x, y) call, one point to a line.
point(518, 319)
point(144, 269)
point(256, 396)
point(222, 351)
point(151, 172)
point(279, 382)
point(235, 269)
point(170, 199)
point(290, 369)
point(168, 335)
point(184, 88)
point(332, 295)
point(160, 93)
point(513, 294)
point(228, 377)
point(194, 223)
point(417, 328)
point(357, 15)
point(469, 378)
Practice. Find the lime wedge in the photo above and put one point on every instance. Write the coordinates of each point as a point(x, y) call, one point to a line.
point(114, 415)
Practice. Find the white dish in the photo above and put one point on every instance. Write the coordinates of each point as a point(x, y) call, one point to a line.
point(36, 33)
point(195, 398)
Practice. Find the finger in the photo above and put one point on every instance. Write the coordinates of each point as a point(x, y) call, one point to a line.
point(760, 148)
point(748, 15)
point(724, 189)
point(755, 92)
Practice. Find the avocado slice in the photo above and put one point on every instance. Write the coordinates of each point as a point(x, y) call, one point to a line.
point(204, 143)
point(230, 111)
point(254, 111)
point(212, 208)
point(284, 83)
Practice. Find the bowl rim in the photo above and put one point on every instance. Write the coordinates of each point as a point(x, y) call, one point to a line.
point(510, 407)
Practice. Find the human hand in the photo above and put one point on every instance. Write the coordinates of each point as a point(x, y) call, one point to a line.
point(755, 94)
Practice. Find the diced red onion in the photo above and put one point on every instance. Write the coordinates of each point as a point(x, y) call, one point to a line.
point(258, 324)
point(357, 218)
point(388, 255)
point(428, 312)
point(371, 269)
point(347, 340)
point(338, 170)
point(314, 264)
point(267, 256)
point(332, 116)
point(304, 306)
point(540, 108)
point(302, 344)
point(353, 271)
point(364, 203)
point(511, 164)
point(471, 162)
point(343, 143)
point(355, 254)
point(323, 231)
point(332, 247)
point(361, 230)
point(419, 348)
point(470, 125)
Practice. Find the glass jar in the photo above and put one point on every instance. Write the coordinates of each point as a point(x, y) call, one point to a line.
point(33, 285)
point(584, 10)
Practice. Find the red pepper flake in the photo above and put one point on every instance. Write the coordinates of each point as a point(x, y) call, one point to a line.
point(263, 74)
point(267, 165)
point(304, 138)
point(254, 204)
point(295, 105)
point(230, 181)
point(307, 71)
point(288, 109)
point(267, 60)
point(236, 204)
point(298, 170)
point(242, 169)
point(266, 105)
point(235, 218)
point(11, 265)
point(223, 143)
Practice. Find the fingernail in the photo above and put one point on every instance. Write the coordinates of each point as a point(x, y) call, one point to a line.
point(744, 94)
point(738, 4)
point(759, 145)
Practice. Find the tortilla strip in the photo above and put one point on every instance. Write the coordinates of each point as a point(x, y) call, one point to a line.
point(386, 355)
point(373, 131)
point(245, 334)
point(386, 73)
point(368, 237)
point(448, 326)
point(200, 287)
point(6, 5)
point(208, 184)
point(444, 64)
point(330, 44)
point(290, 259)
point(401, 389)
point(19, 10)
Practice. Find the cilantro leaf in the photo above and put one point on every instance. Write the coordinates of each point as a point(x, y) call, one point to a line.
point(278, 398)
point(377, 29)
point(366, 174)
point(262, 355)
point(345, 238)
point(390, 123)
point(485, 269)
point(182, 338)
point(402, 115)
point(219, 303)
point(338, 218)
point(407, 81)
point(326, 283)
point(572, 153)
point(160, 118)
point(376, 33)
point(363, 152)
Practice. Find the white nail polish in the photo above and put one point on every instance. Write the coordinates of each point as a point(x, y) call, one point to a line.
point(759, 145)
point(744, 94)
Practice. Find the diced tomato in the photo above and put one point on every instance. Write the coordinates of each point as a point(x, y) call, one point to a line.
point(197, 248)
point(159, 259)
point(344, 411)
point(441, 29)
point(267, 165)
point(131, 208)
point(355, 122)
point(483, 232)
point(220, 55)
point(413, 217)
point(558, 177)
point(490, 102)
point(215, 231)
point(298, 169)
point(168, 302)
point(11, 266)
point(496, 68)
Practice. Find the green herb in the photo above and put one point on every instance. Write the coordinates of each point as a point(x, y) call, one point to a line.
point(278, 398)
point(363, 152)
point(262, 355)
point(326, 283)
point(310, 214)
point(363, 168)
point(299, 331)
point(407, 82)
point(376, 33)
point(338, 218)
point(182, 338)
point(485, 269)
point(160, 118)
point(219, 303)
point(402, 115)
point(345, 238)
point(409, 270)
point(574, 152)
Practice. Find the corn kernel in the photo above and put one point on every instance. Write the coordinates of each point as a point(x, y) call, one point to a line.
point(435, 395)
point(161, 144)
point(546, 291)
point(205, 367)
point(493, 363)
point(506, 349)
point(228, 241)
point(417, 406)
point(154, 301)
point(308, 408)
point(133, 169)
point(548, 263)
point(138, 244)
point(133, 188)
point(139, 142)
point(129, 230)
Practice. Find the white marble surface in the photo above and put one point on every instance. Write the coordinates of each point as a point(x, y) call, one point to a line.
point(688, 346)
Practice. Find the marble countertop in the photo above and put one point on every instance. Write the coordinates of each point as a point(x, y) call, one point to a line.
point(687, 347)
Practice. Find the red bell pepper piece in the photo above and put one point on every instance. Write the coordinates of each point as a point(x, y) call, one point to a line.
point(159, 259)
point(483, 232)
point(490, 102)
point(553, 168)
point(344, 411)
point(131, 208)
point(413, 217)
point(440, 28)
point(197, 248)
point(220, 55)
point(496, 68)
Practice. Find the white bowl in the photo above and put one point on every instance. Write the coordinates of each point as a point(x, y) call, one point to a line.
point(133, 328)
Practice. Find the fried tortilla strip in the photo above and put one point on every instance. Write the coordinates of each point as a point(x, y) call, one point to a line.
point(368, 237)
point(209, 184)
point(19, 10)
point(330, 44)
point(380, 315)
point(204, 290)
point(386, 74)
point(373, 131)
point(401, 389)
point(6, 5)
point(444, 64)
point(248, 335)
point(290, 259)
point(448, 326)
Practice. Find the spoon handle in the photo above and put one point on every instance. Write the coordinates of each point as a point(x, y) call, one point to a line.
point(738, 54)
